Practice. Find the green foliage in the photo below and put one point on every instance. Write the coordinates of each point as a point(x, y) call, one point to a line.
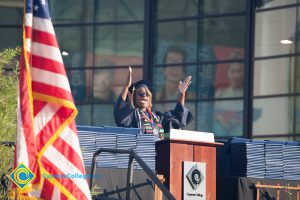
point(9, 66)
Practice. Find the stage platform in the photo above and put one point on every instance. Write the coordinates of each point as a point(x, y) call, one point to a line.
point(243, 188)
point(112, 183)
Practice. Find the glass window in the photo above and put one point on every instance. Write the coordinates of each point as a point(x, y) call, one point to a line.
point(103, 85)
point(223, 118)
point(103, 115)
point(166, 80)
point(77, 43)
point(192, 108)
point(297, 116)
point(228, 118)
point(121, 43)
point(274, 76)
point(219, 6)
point(10, 37)
point(297, 75)
point(272, 29)
point(220, 32)
point(262, 4)
point(12, 15)
point(273, 116)
point(84, 115)
point(204, 117)
point(229, 79)
point(78, 83)
point(170, 52)
point(206, 81)
point(164, 107)
point(120, 10)
point(179, 37)
point(120, 78)
point(71, 11)
point(175, 8)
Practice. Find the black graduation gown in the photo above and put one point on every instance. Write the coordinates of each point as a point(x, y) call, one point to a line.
point(126, 116)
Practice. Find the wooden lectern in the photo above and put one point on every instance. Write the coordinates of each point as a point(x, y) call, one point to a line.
point(170, 155)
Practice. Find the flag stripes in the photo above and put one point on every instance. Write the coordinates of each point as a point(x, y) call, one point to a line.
point(39, 24)
point(43, 117)
point(45, 51)
point(47, 64)
point(59, 93)
point(50, 78)
point(47, 140)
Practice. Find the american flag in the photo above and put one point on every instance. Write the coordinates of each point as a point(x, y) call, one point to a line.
point(47, 140)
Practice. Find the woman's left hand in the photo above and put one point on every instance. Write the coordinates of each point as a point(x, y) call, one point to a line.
point(183, 86)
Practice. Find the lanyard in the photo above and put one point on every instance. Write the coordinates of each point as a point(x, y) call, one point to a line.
point(148, 116)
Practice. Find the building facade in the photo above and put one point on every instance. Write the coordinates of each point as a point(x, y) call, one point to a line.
point(242, 56)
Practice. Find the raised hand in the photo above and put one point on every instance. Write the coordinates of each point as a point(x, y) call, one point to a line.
point(124, 92)
point(129, 77)
point(183, 86)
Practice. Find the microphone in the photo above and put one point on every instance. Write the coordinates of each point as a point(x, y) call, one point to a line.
point(170, 121)
point(170, 117)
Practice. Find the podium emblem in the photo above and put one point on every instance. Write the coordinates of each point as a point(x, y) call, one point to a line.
point(194, 180)
point(195, 177)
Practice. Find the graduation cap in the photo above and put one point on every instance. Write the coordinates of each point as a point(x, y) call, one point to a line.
point(141, 83)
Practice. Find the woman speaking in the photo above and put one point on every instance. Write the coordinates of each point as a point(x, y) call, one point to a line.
point(135, 110)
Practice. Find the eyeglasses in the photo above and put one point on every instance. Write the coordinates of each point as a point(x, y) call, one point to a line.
point(143, 94)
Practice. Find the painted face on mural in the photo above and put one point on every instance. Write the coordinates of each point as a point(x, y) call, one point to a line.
point(174, 73)
point(236, 75)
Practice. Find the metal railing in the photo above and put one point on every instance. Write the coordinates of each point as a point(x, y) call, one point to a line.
point(132, 155)
point(279, 187)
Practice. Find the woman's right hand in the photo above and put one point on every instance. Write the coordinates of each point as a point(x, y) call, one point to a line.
point(127, 84)
point(129, 77)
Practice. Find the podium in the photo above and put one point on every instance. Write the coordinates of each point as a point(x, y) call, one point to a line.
point(170, 155)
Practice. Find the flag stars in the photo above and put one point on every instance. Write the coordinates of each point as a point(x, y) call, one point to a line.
point(36, 7)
